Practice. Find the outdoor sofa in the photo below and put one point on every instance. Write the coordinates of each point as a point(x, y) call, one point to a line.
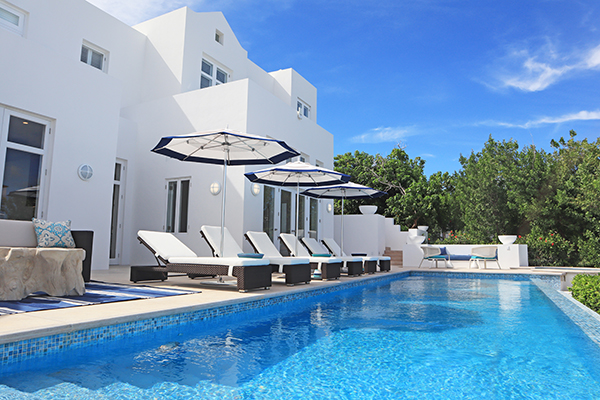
point(177, 257)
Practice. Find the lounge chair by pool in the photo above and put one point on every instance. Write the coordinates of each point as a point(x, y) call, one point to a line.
point(370, 263)
point(353, 266)
point(296, 270)
point(329, 267)
point(177, 257)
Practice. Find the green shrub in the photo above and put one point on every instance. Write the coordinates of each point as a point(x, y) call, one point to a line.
point(548, 249)
point(586, 289)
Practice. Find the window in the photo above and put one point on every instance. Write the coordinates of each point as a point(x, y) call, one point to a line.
point(22, 156)
point(177, 209)
point(302, 109)
point(12, 18)
point(211, 74)
point(219, 37)
point(93, 56)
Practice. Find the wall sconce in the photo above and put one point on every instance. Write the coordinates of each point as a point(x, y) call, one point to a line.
point(85, 172)
point(215, 188)
point(329, 207)
point(255, 189)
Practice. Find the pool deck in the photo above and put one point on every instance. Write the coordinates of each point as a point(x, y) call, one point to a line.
point(23, 326)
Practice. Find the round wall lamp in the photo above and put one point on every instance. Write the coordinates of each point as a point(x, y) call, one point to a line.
point(215, 188)
point(329, 207)
point(255, 189)
point(85, 172)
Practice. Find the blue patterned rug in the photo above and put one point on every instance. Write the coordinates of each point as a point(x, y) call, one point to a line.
point(95, 293)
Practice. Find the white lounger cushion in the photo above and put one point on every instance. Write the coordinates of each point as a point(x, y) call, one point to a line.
point(213, 235)
point(229, 261)
point(263, 244)
point(290, 241)
point(337, 251)
point(316, 247)
point(165, 244)
point(171, 249)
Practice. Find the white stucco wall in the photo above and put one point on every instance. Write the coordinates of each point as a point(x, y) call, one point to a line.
point(150, 89)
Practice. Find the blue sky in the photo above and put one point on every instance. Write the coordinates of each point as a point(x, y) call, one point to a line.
point(434, 76)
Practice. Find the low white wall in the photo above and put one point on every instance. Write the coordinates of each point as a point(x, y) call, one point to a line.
point(395, 239)
point(362, 233)
point(509, 256)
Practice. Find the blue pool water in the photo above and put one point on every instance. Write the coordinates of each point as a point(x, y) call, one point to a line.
point(416, 337)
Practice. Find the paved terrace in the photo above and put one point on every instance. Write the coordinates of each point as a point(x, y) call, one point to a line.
point(17, 327)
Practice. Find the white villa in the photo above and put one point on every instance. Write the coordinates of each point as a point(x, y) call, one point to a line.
point(82, 94)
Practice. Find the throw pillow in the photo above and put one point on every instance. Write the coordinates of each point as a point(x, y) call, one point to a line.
point(53, 234)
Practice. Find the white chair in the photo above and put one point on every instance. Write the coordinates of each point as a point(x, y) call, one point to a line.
point(433, 254)
point(177, 257)
point(485, 254)
point(296, 269)
point(329, 267)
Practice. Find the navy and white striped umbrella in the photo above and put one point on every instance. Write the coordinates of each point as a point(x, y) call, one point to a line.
point(349, 190)
point(225, 148)
point(297, 174)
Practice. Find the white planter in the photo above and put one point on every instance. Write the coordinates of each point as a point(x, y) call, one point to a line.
point(423, 227)
point(507, 239)
point(367, 209)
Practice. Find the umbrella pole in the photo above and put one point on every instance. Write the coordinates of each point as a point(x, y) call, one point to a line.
point(297, 213)
point(342, 249)
point(221, 245)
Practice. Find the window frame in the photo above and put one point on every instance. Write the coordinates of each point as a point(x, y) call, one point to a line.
point(92, 48)
point(22, 15)
point(302, 109)
point(213, 77)
point(177, 203)
point(45, 152)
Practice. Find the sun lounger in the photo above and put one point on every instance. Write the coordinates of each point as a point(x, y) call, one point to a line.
point(296, 270)
point(177, 257)
point(353, 266)
point(328, 266)
point(370, 263)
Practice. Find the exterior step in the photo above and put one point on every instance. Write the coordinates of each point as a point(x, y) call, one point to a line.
point(395, 255)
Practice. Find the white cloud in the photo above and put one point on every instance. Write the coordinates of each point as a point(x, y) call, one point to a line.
point(535, 72)
point(382, 135)
point(580, 116)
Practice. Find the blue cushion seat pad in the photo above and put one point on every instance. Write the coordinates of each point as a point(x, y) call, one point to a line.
point(321, 255)
point(439, 257)
point(250, 255)
point(482, 258)
point(460, 257)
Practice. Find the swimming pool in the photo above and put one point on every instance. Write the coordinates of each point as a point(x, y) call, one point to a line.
point(415, 337)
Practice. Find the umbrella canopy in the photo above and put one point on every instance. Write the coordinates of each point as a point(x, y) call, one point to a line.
point(225, 148)
point(344, 191)
point(297, 174)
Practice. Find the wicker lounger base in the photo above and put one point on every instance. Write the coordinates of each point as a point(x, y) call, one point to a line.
point(370, 267)
point(355, 268)
point(298, 273)
point(385, 265)
point(328, 270)
point(253, 277)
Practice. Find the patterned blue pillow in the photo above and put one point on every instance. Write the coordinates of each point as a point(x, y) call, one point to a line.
point(53, 234)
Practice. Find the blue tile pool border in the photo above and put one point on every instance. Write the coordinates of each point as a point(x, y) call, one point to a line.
point(19, 351)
